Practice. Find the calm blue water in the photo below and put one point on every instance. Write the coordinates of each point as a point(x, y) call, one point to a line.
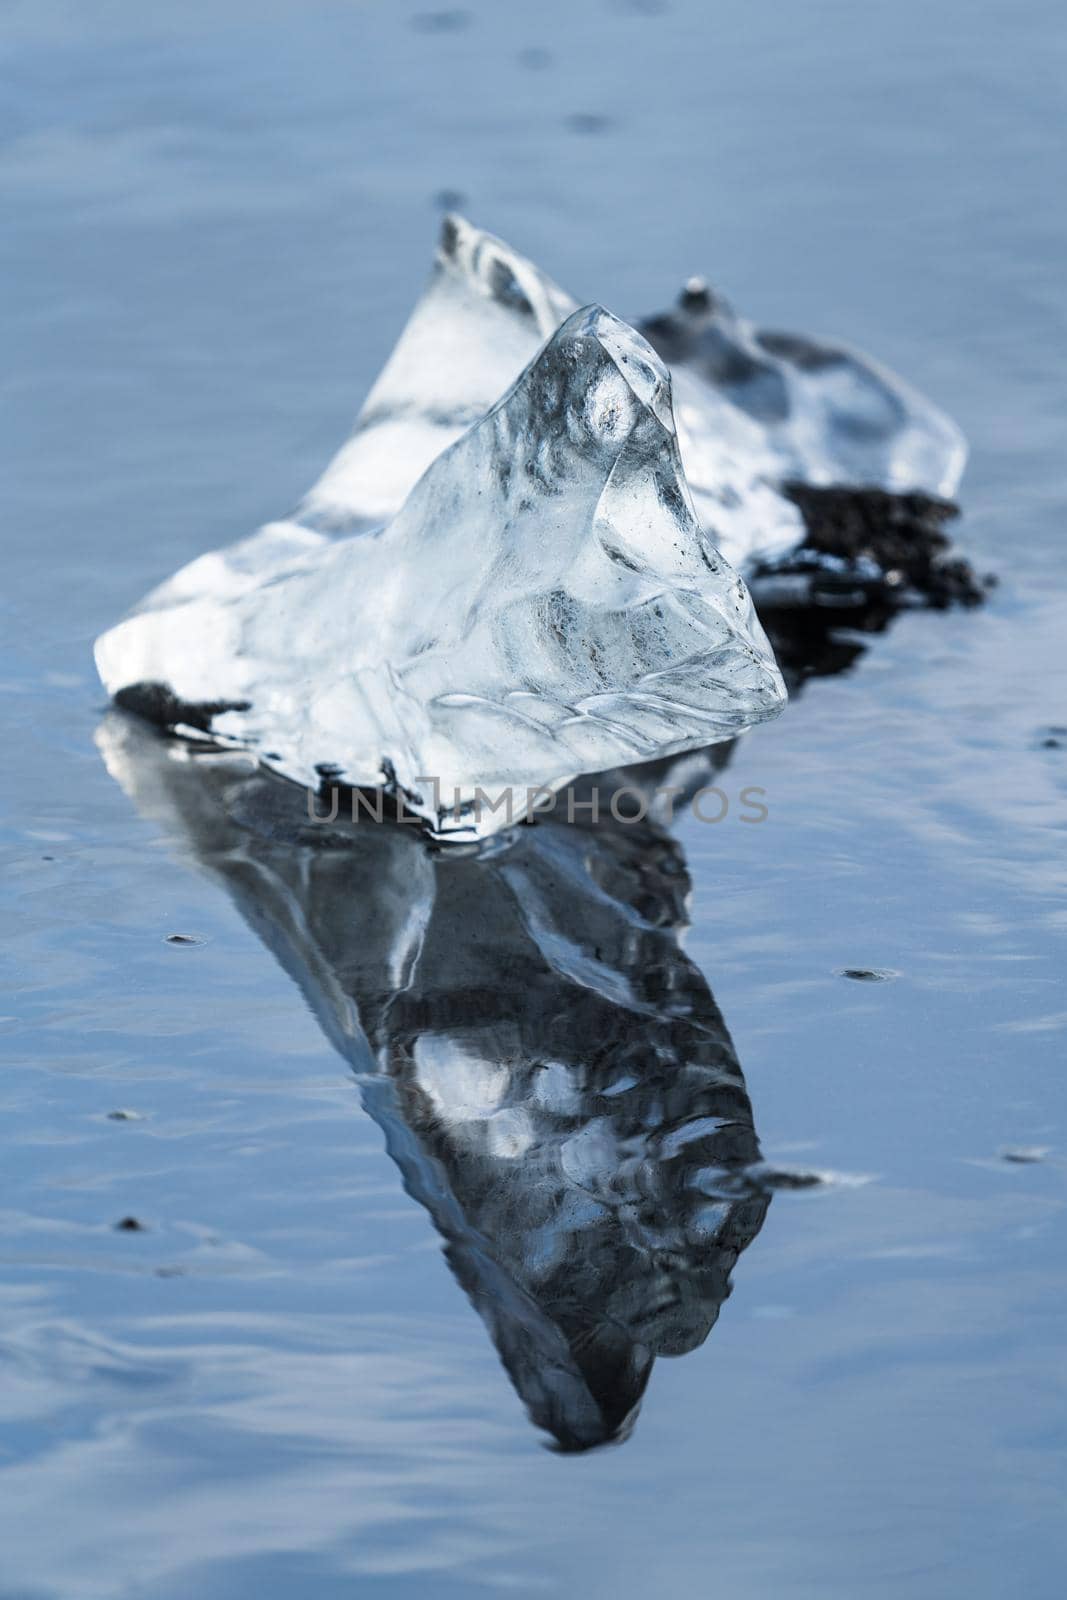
point(219, 215)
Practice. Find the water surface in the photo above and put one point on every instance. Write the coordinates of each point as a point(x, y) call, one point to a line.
point(282, 1386)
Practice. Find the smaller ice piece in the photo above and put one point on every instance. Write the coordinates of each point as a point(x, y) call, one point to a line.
point(544, 603)
point(829, 415)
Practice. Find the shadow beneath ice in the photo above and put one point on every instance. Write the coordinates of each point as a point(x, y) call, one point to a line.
point(550, 1071)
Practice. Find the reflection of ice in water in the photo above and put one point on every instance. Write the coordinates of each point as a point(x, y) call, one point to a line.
point(551, 1072)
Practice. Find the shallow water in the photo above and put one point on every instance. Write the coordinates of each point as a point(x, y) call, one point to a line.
point(279, 1388)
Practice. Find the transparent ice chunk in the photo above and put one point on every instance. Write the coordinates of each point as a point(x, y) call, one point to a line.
point(545, 603)
point(506, 628)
